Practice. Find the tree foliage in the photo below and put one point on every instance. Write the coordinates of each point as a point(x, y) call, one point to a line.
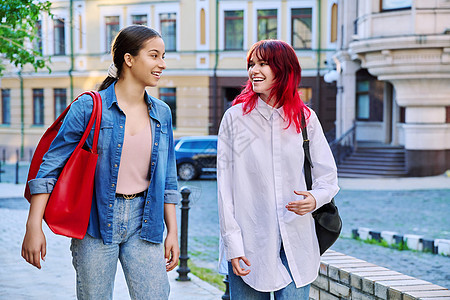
point(18, 31)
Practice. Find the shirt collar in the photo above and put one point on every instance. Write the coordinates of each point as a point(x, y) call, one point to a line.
point(267, 111)
point(110, 94)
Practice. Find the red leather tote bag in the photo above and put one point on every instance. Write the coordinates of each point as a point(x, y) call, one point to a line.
point(69, 206)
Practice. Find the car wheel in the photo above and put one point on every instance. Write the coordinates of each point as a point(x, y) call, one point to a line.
point(187, 171)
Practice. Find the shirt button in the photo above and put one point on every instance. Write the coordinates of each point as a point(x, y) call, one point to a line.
point(157, 125)
point(119, 145)
point(121, 126)
point(115, 166)
point(153, 163)
point(110, 205)
point(145, 221)
point(148, 202)
point(156, 144)
point(113, 185)
point(109, 224)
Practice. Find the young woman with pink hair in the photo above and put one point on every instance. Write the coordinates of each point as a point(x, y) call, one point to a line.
point(267, 230)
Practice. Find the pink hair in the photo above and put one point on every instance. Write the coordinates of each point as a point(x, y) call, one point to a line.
point(284, 64)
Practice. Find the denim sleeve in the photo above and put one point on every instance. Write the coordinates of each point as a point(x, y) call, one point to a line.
point(171, 194)
point(61, 148)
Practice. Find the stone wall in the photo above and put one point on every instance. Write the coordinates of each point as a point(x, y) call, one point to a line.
point(346, 277)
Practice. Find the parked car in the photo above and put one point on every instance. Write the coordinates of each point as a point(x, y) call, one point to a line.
point(195, 155)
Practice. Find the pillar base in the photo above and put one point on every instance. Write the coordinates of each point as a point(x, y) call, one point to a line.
point(421, 163)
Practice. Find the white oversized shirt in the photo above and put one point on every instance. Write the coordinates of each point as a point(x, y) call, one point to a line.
point(259, 165)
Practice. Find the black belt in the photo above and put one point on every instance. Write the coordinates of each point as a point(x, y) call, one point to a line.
point(131, 196)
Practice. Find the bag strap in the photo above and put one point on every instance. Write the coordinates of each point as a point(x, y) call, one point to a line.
point(307, 165)
point(96, 117)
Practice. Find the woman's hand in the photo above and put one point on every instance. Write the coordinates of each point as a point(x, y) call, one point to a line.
point(304, 206)
point(34, 246)
point(172, 251)
point(237, 267)
point(171, 248)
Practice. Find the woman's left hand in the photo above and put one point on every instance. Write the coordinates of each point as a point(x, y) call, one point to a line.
point(304, 206)
point(172, 251)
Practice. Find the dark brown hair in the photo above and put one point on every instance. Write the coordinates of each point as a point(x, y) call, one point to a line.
point(129, 40)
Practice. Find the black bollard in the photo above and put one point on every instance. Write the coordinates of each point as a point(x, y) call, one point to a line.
point(17, 167)
point(183, 269)
point(226, 296)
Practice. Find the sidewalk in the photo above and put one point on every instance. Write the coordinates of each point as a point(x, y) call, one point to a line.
point(394, 184)
point(56, 279)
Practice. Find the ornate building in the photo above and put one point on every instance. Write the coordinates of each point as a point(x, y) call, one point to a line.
point(393, 65)
point(206, 44)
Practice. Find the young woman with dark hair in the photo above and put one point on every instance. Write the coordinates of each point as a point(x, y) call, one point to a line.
point(135, 180)
point(267, 231)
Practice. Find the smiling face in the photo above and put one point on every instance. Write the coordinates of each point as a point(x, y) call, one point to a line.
point(147, 66)
point(261, 77)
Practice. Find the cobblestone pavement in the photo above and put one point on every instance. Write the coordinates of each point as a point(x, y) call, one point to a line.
point(56, 279)
point(408, 206)
point(423, 212)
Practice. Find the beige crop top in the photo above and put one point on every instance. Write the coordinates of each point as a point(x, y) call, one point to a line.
point(135, 162)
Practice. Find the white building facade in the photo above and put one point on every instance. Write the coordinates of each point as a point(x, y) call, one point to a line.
point(393, 65)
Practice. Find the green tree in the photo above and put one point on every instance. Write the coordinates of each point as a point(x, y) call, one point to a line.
point(18, 31)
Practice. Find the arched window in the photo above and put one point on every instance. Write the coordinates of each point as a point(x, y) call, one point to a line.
point(334, 23)
point(202, 27)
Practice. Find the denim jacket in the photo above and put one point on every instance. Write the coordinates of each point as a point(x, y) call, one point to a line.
point(163, 177)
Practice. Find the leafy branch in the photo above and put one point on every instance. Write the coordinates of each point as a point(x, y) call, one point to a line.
point(19, 32)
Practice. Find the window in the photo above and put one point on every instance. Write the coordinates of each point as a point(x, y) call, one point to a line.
point(447, 114)
point(301, 28)
point(402, 113)
point(60, 101)
point(200, 146)
point(37, 42)
point(169, 30)
point(202, 27)
point(112, 26)
point(80, 32)
point(139, 19)
point(234, 30)
point(369, 97)
point(334, 23)
point(363, 101)
point(60, 37)
point(305, 94)
point(395, 4)
point(38, 106)
point(267, 24)
point(6, 106)
point(169, 95)
point(230, 93)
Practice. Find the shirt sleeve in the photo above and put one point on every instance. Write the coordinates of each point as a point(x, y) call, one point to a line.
point(171, 194)
point(61, 148)
point(324, 171)
point(229, 228)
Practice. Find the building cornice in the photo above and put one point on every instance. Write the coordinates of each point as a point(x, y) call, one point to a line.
point(399, 42)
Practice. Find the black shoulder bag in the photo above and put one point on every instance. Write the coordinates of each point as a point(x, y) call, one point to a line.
point(326, 218)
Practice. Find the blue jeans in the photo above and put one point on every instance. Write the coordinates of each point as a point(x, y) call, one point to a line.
point(239, 290)
point(143, 262)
